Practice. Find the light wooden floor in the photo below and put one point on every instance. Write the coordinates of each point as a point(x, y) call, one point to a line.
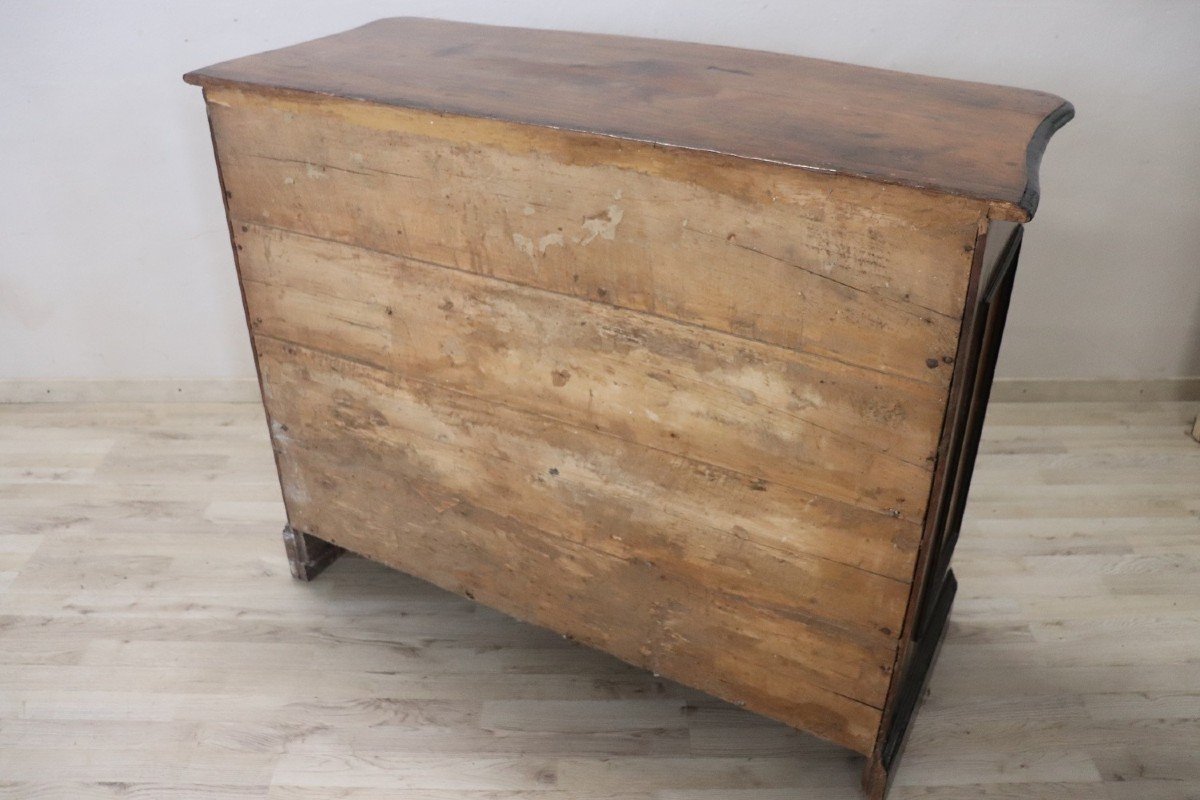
point(153, 646)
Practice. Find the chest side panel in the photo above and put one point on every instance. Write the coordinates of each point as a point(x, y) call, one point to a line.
point(679, 407)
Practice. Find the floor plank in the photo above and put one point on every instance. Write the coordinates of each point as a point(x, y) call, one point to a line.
point(152, 644)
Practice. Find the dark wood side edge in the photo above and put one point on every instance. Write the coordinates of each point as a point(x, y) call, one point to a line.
point(991, 279)
point(877, 778)
point(308, 555)
point(992, 311)
point(1034, 152)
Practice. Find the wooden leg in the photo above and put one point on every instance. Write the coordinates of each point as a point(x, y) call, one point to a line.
point(881, 766)
point(307, 554)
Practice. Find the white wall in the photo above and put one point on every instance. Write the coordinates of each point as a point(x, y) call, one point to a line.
point(114, 261)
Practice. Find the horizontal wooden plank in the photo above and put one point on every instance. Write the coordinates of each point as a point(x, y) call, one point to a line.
point(365, 468)
point(769, 413)
point(833, 266)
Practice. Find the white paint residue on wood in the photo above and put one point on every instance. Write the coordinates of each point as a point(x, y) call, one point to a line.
point(524, 244)
point(534, 249)
point(548, 240)
point(603, 224)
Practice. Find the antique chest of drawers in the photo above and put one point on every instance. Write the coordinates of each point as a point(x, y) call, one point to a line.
point(678, 350)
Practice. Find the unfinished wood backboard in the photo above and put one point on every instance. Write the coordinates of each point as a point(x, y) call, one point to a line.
point(676, 350)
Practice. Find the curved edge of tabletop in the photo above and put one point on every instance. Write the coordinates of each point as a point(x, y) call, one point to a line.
point(1034, 152)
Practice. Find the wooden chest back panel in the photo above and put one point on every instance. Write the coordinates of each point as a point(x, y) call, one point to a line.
point(681, 407)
